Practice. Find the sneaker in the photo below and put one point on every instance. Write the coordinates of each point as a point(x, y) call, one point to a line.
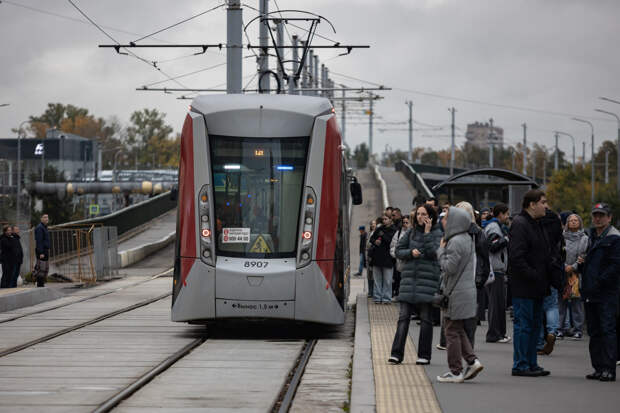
point(440, 347)
point(618, 363)
point(525, 373)
point(506, 339)
point(450, 377)
point(559, 335)
point(608, 376)
point(577, 336)
point(594, 376)
point(541, 372)
point(394, 360)
point(422, 361)
point(549, 343)
point(357, 274)
point(472, 370)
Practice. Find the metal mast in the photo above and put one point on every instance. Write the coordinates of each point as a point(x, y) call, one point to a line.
point(263, 39)
point(234, 24)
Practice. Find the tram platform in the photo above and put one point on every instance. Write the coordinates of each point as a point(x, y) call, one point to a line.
point(411, 388)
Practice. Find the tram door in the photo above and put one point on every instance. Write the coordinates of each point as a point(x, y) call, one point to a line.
point(257, 187)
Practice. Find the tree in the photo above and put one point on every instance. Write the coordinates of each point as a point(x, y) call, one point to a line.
point(360, 155)
point(146, 124)
point(54, 116)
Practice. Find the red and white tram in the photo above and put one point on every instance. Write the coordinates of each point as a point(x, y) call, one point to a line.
point(263, 213)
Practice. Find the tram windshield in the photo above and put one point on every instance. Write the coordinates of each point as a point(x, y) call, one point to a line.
point(257, 186)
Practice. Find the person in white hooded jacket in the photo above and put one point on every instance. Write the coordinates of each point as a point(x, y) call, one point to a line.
point(457, 259)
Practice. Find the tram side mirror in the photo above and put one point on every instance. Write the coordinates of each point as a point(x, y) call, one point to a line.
point(174, 194)
point(356, 192)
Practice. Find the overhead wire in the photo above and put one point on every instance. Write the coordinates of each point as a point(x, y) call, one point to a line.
point(129, 52)
point(180, 22)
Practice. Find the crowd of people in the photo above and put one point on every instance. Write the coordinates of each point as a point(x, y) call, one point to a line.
point(460, 267)
point(12, 254)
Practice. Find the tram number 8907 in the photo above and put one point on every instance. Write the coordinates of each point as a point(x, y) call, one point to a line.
point(256, 264)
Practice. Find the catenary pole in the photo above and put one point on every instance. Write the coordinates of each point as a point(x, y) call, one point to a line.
point(606, 167)
point(370, 118)
point(234, 24)
point(452, 155)
point(310, 77)
point(292, 82)
point(263, 40)
point(491, 143)
point(592, 154)
point(524, 125)
point(344, 112)
point(315, 77)
point(410, 105)
point(555, 155)
point(280, 42)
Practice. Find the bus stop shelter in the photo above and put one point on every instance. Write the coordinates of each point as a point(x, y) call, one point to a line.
point(486, 187)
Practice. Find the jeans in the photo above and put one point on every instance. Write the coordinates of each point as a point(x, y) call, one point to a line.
point(15, 276)
point(601, 323)
point(527, 324)
point(458, 345)
point(497, 309)
point(425, 341)
point(571, 315)
point(362, 263)
point(552, 316)
point(383, 284)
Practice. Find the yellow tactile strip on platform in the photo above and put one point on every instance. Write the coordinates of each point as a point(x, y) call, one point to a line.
point(399, 388)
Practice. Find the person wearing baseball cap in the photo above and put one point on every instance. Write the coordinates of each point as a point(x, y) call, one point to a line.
point(599, 290)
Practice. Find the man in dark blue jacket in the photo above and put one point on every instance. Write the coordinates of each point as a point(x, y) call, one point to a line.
point(599, 290)
point(42, 250)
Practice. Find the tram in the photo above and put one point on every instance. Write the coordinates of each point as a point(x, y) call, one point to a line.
point(264, 202)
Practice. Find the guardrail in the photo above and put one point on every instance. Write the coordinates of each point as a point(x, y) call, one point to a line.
point(384, 195)
point(415, 178)
point(131, 217)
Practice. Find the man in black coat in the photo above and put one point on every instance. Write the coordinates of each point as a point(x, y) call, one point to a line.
point(382, 261)
point(363, 239)
point(7, 256)
point(42, 250)
point(599, 290)
point(18, 254)
point(528, 253)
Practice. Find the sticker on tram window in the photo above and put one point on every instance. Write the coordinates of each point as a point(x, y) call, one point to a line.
point(235, 235)
point(260, 245)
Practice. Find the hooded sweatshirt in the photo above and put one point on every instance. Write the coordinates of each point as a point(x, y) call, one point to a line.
point(458, 264)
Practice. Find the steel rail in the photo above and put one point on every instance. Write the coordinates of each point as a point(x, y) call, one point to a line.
point(81, 300)
point(283, 403)
point(115, 400)
point(82, 325)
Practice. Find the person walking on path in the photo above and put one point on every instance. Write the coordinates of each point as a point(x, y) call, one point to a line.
point(417, 250)
point(7, 256)
point(369, 276)
point(527, 263)
point(497, 242)
point(363, 238)
point(457, 259)
point(42, 250)
point(571, 306)
point(18, 253)
point(599, 290)
point(382, 261)
point(397, 221)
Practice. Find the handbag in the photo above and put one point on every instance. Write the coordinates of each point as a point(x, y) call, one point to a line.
point(442, 299)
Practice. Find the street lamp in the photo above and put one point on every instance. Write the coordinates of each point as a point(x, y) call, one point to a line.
point(573, 139)
point(114, 168)
point(19, 168)
point(592, 160)
point(617, 143)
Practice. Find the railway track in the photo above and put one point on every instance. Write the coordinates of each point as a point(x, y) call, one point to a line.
point(81, 325)
point(81, 300)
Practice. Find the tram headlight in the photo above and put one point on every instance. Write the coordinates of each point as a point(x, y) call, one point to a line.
point(204, 224)
point(307, 229)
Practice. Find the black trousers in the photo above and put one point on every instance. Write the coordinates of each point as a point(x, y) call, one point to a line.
point(482, 300)
point(7, 274)
point(601, 321)
point(395, 283)
point(497, 308)
point(425, 341)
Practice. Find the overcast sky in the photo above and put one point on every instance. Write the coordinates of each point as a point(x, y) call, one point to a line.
point(546, 55)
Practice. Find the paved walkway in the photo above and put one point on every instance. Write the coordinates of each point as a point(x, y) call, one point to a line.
point(400, 191)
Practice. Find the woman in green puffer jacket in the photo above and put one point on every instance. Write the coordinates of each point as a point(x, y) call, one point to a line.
point(419, 282)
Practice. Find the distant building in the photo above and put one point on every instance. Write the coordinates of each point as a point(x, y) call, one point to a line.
point(478, 135)
point(70, 154)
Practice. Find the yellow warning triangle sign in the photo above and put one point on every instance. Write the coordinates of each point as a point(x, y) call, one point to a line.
point(260, 245)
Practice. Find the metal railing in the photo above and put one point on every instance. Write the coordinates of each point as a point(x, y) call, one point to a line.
point(415, 178)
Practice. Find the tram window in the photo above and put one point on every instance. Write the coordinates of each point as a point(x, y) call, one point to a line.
point(257, 197)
